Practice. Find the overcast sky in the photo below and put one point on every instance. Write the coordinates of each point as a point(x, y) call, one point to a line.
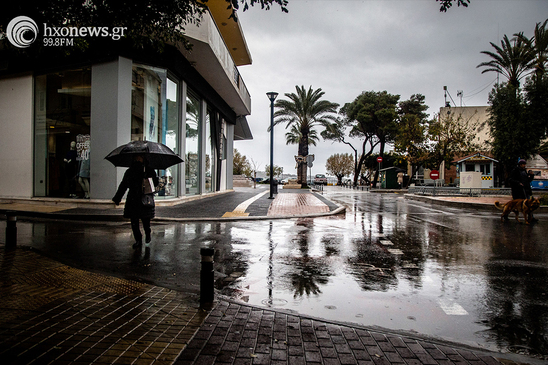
point(346, 47)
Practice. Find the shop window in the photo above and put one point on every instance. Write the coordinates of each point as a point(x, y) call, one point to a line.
point(192, 161)
point(485, 169)
point(155, 117)
point(62, 134)
point(210, 152)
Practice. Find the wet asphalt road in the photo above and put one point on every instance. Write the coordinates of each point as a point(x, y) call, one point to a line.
point(460, 275)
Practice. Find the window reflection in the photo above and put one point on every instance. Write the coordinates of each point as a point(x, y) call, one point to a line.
point(62, 134)
point(192, 161)
point(154, 117)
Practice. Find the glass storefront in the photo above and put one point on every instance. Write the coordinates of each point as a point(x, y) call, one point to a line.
point(63, 141)
point(62, 134)
point(192, 161)
point(155, 117)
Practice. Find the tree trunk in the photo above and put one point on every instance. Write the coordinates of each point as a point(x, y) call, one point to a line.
point(302, 166)
point(381, 153)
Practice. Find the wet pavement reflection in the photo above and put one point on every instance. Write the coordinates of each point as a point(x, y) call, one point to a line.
point(459, 275)
point(404, 265)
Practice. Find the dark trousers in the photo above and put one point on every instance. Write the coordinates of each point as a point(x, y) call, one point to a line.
point(137, 231)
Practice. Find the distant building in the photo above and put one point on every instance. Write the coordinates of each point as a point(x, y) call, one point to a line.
point(475, 118)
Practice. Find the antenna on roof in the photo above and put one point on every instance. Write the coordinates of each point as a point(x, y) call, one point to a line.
point(446, 92)
point(459, 95)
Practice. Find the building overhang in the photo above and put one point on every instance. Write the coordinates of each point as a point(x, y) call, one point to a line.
point(212, 57)
point(230, 29)
point(242, 130)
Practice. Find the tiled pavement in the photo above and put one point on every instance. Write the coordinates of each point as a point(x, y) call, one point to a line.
point(239, 334)
point(54, 314)
point(296, 204)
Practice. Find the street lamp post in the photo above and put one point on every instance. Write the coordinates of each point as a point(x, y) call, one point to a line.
point(272, 96)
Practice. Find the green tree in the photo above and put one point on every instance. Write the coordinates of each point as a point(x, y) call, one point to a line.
point(446, 4)
point(373, 115)
point(241, 165)
point(518, 121)
point(536, 88)
point(412, 136)
point(511, 136)
point(278, 170)
point(340, 165)
point(305, 109)
point(337, 131)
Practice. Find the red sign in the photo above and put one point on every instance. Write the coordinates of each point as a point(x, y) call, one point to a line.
point(434, 174)
point(379, 159)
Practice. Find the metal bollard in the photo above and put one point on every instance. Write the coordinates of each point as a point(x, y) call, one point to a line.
point(11, 230)
point(207, 278)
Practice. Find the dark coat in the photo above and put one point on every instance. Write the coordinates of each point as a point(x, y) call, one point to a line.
point(520, 182)
point(133, 180)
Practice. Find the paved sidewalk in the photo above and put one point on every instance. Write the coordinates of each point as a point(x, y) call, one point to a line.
point(239, 334)
point(56, 314)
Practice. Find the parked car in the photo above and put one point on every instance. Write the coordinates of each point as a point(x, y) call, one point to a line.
point(267, 181)
point(320, 179)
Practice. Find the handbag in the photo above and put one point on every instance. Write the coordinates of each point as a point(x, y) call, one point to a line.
point(148, 200)
point(148, 186)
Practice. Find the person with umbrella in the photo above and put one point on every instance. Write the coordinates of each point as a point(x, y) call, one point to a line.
point(134, 208)
point(142, 158)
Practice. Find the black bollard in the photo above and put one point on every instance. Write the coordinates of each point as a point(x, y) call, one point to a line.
point(207, 278)
point(11, 230)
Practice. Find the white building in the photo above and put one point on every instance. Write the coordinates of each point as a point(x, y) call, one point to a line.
point(196, 103)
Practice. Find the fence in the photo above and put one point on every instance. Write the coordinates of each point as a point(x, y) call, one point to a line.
point(451, 191)
point(359, 187)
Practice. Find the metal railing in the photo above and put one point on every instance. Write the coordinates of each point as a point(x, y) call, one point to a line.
point(358, 187)
point(452, 191)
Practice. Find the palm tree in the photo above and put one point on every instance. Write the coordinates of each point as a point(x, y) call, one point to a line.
point(294, 136)
point(512, 60)
point(304, 110)
point(539, 45)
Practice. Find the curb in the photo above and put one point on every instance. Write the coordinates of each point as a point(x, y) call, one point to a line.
point(120, 218)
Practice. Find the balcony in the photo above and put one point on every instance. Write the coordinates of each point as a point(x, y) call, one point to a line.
point(213, 59)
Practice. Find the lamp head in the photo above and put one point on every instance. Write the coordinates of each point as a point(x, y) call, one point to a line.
point(272, 95)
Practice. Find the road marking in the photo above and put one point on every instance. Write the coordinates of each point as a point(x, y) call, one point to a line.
point(241, 208)
point(395, 251)
point(452, 308)
point(386, 243)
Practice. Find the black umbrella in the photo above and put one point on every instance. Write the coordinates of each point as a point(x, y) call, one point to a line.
point(159, 155)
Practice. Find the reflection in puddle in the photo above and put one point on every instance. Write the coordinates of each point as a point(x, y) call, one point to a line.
point(399, 265)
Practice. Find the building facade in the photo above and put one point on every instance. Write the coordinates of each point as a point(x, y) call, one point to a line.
point(60, 118)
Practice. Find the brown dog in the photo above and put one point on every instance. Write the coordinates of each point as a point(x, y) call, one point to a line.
point(526, 206)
